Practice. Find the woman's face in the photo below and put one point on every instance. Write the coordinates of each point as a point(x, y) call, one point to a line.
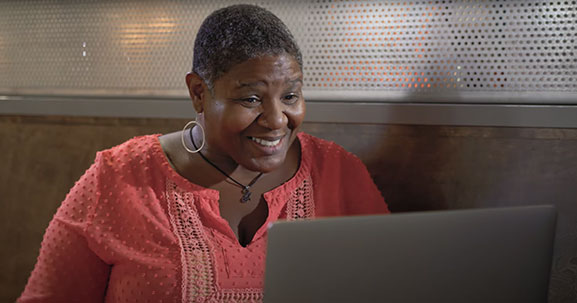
point(254, 112)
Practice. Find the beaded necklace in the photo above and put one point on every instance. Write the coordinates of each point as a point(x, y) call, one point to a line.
point(246, 193)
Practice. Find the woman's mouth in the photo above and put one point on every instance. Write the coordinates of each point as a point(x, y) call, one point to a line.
point(266, 142)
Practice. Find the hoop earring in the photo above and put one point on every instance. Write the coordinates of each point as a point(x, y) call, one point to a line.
point(191, 138)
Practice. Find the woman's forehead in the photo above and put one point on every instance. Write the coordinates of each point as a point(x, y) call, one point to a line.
point(263, 70)
point(240, 84)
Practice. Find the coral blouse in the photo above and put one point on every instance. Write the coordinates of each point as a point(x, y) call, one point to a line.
point(133, 230)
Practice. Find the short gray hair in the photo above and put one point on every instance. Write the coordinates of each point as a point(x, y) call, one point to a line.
point(237, 33)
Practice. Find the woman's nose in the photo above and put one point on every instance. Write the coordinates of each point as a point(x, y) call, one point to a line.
point(273, 115)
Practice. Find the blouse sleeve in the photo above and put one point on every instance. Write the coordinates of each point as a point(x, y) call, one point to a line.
point(67, 269)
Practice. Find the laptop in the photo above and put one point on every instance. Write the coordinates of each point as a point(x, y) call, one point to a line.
point(478, 255)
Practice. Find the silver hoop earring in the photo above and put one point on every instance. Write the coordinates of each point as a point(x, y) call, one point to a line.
point(192, 151)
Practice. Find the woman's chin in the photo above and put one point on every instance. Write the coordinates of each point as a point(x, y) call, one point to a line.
point(266, 165)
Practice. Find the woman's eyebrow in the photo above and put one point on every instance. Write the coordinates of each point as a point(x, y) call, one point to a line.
point(295, 81)
point(240, 85)
point(249, 84)
point(291, 84)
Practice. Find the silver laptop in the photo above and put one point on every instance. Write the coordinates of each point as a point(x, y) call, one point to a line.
point(479, 255)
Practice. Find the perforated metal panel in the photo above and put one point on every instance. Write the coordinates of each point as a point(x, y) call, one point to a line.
point(389, 47)
point(443, 45)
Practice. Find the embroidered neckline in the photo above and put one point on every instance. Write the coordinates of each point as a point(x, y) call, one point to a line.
point(199, 274)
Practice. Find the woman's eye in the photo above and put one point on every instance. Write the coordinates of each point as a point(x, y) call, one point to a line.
point(250, 101)
point(290, 98)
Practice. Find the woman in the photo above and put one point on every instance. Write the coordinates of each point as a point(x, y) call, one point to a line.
point(182, 217)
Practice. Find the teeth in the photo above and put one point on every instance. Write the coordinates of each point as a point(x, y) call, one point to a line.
point(265, 142)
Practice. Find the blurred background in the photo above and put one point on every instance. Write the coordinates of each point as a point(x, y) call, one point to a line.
point(450, 104)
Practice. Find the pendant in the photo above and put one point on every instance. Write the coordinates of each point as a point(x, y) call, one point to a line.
point(245, 195)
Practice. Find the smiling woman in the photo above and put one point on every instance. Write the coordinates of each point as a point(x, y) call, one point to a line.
point(182, 217)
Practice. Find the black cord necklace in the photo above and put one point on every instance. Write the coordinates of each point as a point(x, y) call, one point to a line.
point(245, 188)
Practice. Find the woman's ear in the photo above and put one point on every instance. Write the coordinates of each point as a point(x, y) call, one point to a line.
point(197, 89)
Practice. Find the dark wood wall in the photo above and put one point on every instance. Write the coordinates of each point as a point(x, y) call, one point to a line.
point(416, 168)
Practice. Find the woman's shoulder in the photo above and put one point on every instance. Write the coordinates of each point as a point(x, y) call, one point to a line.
point(322, 149)
point(135, 147)
point(327, 159)
point(139, 151)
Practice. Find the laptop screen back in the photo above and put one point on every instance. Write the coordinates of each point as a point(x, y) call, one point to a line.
point(481, 255)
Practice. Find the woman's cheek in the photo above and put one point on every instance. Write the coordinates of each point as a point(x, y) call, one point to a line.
point(297, 114)
point(240, 120)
